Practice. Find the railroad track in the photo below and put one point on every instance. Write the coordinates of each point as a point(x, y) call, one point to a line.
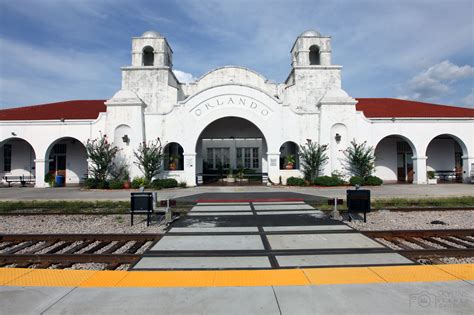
point(114, 251)
point(431, 244)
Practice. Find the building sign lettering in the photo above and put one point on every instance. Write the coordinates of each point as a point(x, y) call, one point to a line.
point(234, 101)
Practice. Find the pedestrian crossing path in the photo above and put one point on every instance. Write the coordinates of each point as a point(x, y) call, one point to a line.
point(262, 235)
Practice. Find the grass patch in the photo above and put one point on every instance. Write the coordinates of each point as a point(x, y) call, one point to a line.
point(64, 206)
point(465, 201)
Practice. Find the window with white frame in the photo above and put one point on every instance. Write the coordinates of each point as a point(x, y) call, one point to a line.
point(218, 157)
point(247, 158)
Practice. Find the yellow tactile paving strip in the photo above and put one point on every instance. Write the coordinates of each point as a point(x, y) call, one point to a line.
point(219, 278)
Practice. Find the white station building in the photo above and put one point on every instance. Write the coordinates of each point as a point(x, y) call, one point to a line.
point(233, 117)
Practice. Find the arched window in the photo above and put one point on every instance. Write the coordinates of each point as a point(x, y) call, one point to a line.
point(173, 157)
point(314, 55)
point(148, 56)
point(289, 156)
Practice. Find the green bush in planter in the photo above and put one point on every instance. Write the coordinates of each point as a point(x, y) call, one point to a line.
point(356, 180)
point(295, 181)
point(102, 184)
point(116, 184)
point(328, 181)
point(373, 181)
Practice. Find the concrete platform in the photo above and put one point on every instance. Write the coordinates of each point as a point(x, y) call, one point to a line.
point(341, 260)
point(221, 207)
point(197, 229)
point(307, 228)
point(321, 241)
point(215, 213)
point(271, 206)
point(207, 242)
point(203, 262)
point(309, 212)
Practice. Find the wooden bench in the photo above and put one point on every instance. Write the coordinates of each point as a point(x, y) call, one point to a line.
point(23, 180)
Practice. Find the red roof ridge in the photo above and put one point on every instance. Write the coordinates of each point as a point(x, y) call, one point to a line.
point(400, 108)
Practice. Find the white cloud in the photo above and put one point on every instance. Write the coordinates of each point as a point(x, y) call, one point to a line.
point(184, 77)
point(436, 81)
point(469, 99)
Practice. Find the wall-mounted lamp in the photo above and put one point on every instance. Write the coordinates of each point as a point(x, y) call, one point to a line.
point(14, 134)
point(126, 139)
point(338, 138)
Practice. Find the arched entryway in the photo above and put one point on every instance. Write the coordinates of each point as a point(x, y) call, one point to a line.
point(445, 158)
point(231, 150)
point(67, 156)
point(17, 158)
point(289, 158)
point(394, 159)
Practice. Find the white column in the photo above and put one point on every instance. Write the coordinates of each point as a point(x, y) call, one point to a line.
point(273, 160)
point(419, 167)
point(190, 169)
point(467, 168)
point(40, 172)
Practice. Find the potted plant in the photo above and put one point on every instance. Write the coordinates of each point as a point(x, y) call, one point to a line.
point(290, 161)
point(126, 179)
point(431, 178)
point(230, 176)
point(240, 175)
point(173, 162)
point(50, 179)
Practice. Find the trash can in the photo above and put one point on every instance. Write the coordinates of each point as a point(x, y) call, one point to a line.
point(358, 201)
point(60, 180)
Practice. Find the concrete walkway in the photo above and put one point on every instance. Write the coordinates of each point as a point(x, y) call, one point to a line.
point(385, 191)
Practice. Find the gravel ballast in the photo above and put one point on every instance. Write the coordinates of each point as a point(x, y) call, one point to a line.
point(414, 220)
point(76, 224)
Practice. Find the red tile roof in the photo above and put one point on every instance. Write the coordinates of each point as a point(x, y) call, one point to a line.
point(372, 108)
point(80, 109)
point(392, 107)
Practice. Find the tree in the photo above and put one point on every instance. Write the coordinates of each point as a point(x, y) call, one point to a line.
point(149, 157)
point(102, 154)
point(313, 159)
point(360, 159)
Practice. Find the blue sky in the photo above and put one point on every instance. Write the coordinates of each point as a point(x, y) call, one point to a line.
point(54, 50)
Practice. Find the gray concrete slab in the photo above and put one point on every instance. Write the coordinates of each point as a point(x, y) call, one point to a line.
point(278, 202)
point(215, 213)
point(208, 242)
point(283, 207)
point(225, 300)
point(221, 203)
point(194, 229)
point(321, 241)
point(454, 297)
point(29, 300)
point(220, 208)
point(341, 260)
point(203, 262)
point(306, 228)
point(314, 212)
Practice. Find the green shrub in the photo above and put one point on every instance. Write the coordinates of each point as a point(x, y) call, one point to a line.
point(295, 181)
point(356, 180)
point(90, 183)
point(169, 183)
point(373, 181)
point(328, 181)
point(138, 182)
point(157, 184)
point(116, 184)
point(102, 184)
point(182, 184)
point(430, 174)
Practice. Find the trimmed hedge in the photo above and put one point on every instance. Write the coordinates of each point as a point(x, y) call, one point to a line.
point(116, 184)
point(356, 180)
point(373, 181)
point(165, 183)
point(328, 181)
point(295, 181)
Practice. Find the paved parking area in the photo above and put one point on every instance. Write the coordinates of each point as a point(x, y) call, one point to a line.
point(262, 235)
